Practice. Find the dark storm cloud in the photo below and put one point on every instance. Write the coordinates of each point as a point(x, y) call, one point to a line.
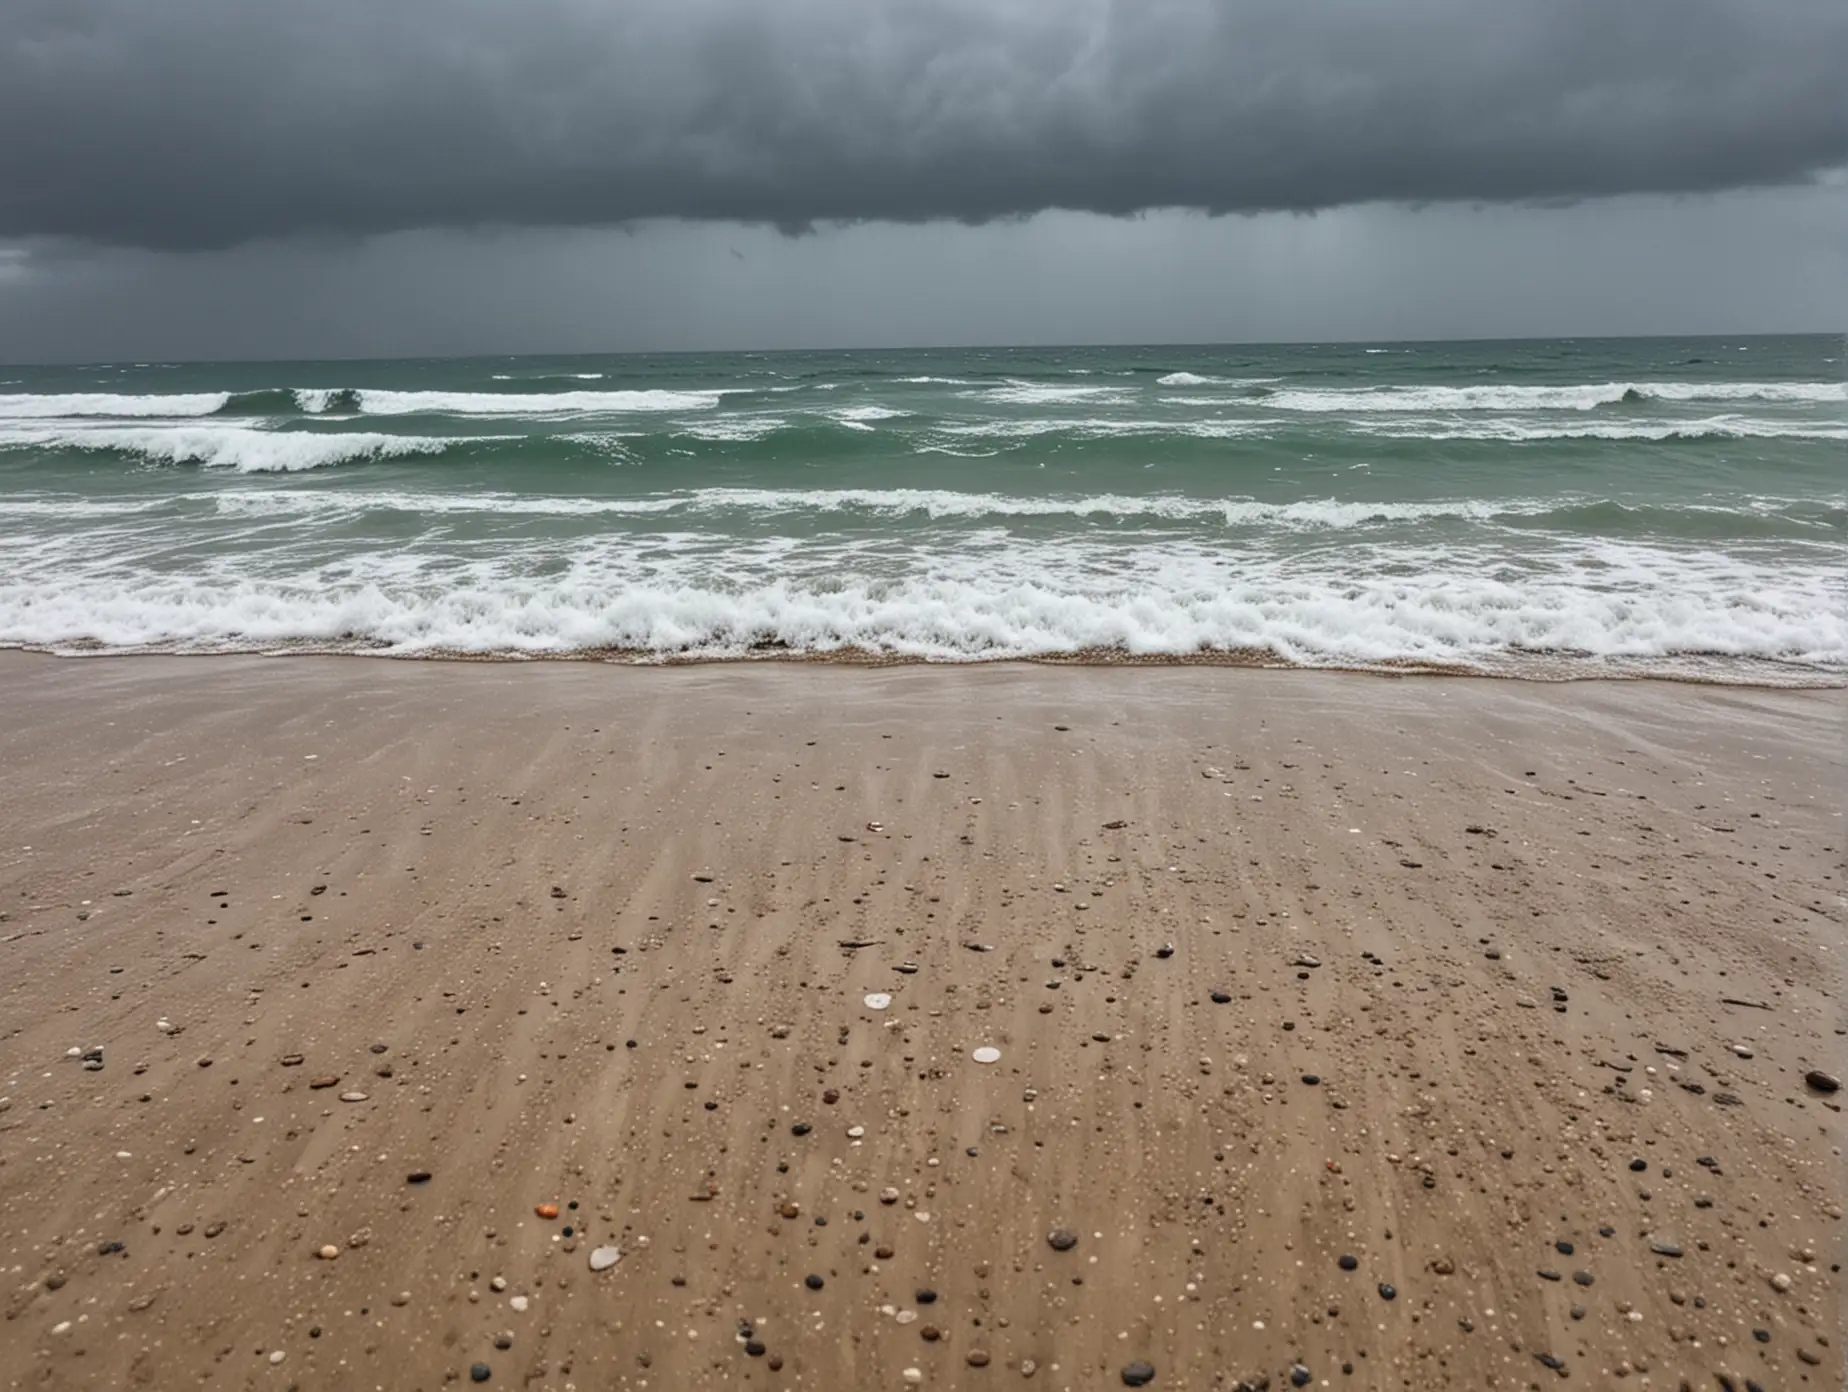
point(204, 123)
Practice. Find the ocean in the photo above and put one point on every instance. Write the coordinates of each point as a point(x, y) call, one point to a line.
point(1671, 507)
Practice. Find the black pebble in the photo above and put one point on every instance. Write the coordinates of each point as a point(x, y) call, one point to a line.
point(1563, 1247)
point(1549, 1361)
point(417, 1177)
point(629, 1044)
point(1299, 1376)
point(1607, 1232)
point(1388, 1292)
point(754, 1348)
point(1138, 1374)
point(1221, 998)
point(814, 1282)
point(1348, 1264)
point(1548, 1275)
point(1312, 1079)
point(1639, 1165)
point(480, 1372)
point(801, 1128)
point(927, 1297)
point(1582, 1278)
point(1762, 1335)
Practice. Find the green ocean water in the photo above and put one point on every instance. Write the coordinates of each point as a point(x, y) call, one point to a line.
point(1565, 507)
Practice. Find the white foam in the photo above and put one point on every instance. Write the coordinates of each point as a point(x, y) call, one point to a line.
point(1017, 393)
point(1581, 397)
point(863, 416)
point(399, 403)
point(1444, 615)
point(243, 448)
point(1185, 379)
point(1729, 427)
point(31, 406)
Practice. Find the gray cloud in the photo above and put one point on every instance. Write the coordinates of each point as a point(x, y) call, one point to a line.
point(206, 123)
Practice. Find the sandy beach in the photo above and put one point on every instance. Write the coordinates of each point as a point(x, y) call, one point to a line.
point(1507, 992)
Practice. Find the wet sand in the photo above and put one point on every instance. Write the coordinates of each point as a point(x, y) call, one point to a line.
point(601, 937)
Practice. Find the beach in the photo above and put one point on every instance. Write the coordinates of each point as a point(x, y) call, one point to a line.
point(1505, 990)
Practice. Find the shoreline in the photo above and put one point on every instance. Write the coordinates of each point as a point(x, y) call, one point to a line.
point(1282, 968)
point(1538, 667)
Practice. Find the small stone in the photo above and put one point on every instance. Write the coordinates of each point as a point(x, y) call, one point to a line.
point(293, 1060)
point(1780, 1282)
point(1299, 1375)
point(986, 1054)
point(480, 1372)
point(755, 1348)
point(352, 1097)
point(1062, 1239)
point(813, 1282)
point(277, 1357)
point(1665, 1249)
point(328, 1252)
point(976, 1359)
point(801, 1128)
point(927, 1296)
point(519, 1303)
point(499, 1283)
point(1822, 1082)
point(325, 1081)
point(1138, 1374)
point(1582, 1278)
point(1311, 1079)
point(1388, 1291)
point(1221, 998)
point(1638, 1166)
point(1347, 1263)
point(417, 1177)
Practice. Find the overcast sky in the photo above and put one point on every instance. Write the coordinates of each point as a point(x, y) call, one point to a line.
point(215, 178)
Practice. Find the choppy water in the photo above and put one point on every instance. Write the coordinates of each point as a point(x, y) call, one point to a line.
point(1541, 508)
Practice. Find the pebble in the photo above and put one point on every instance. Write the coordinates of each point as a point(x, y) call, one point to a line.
point(1221, 998)
point(417, 1177)
point(328, 1252)
point(876, 1000)
point(976, 1359)
point(1062, 1239)
point(519, 1304)
point(277, 1357)
point(1822, 1082)
point(1780, 1282)
point(1138, 1374)
point(1299, 1375)
point(1388, 1291)
point(1347, 1263)
point(1665, 1249)
point(603, 1258)
point(813, 1282)
point(986, 1054)
point(352, 1097)
point(480, 1372)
